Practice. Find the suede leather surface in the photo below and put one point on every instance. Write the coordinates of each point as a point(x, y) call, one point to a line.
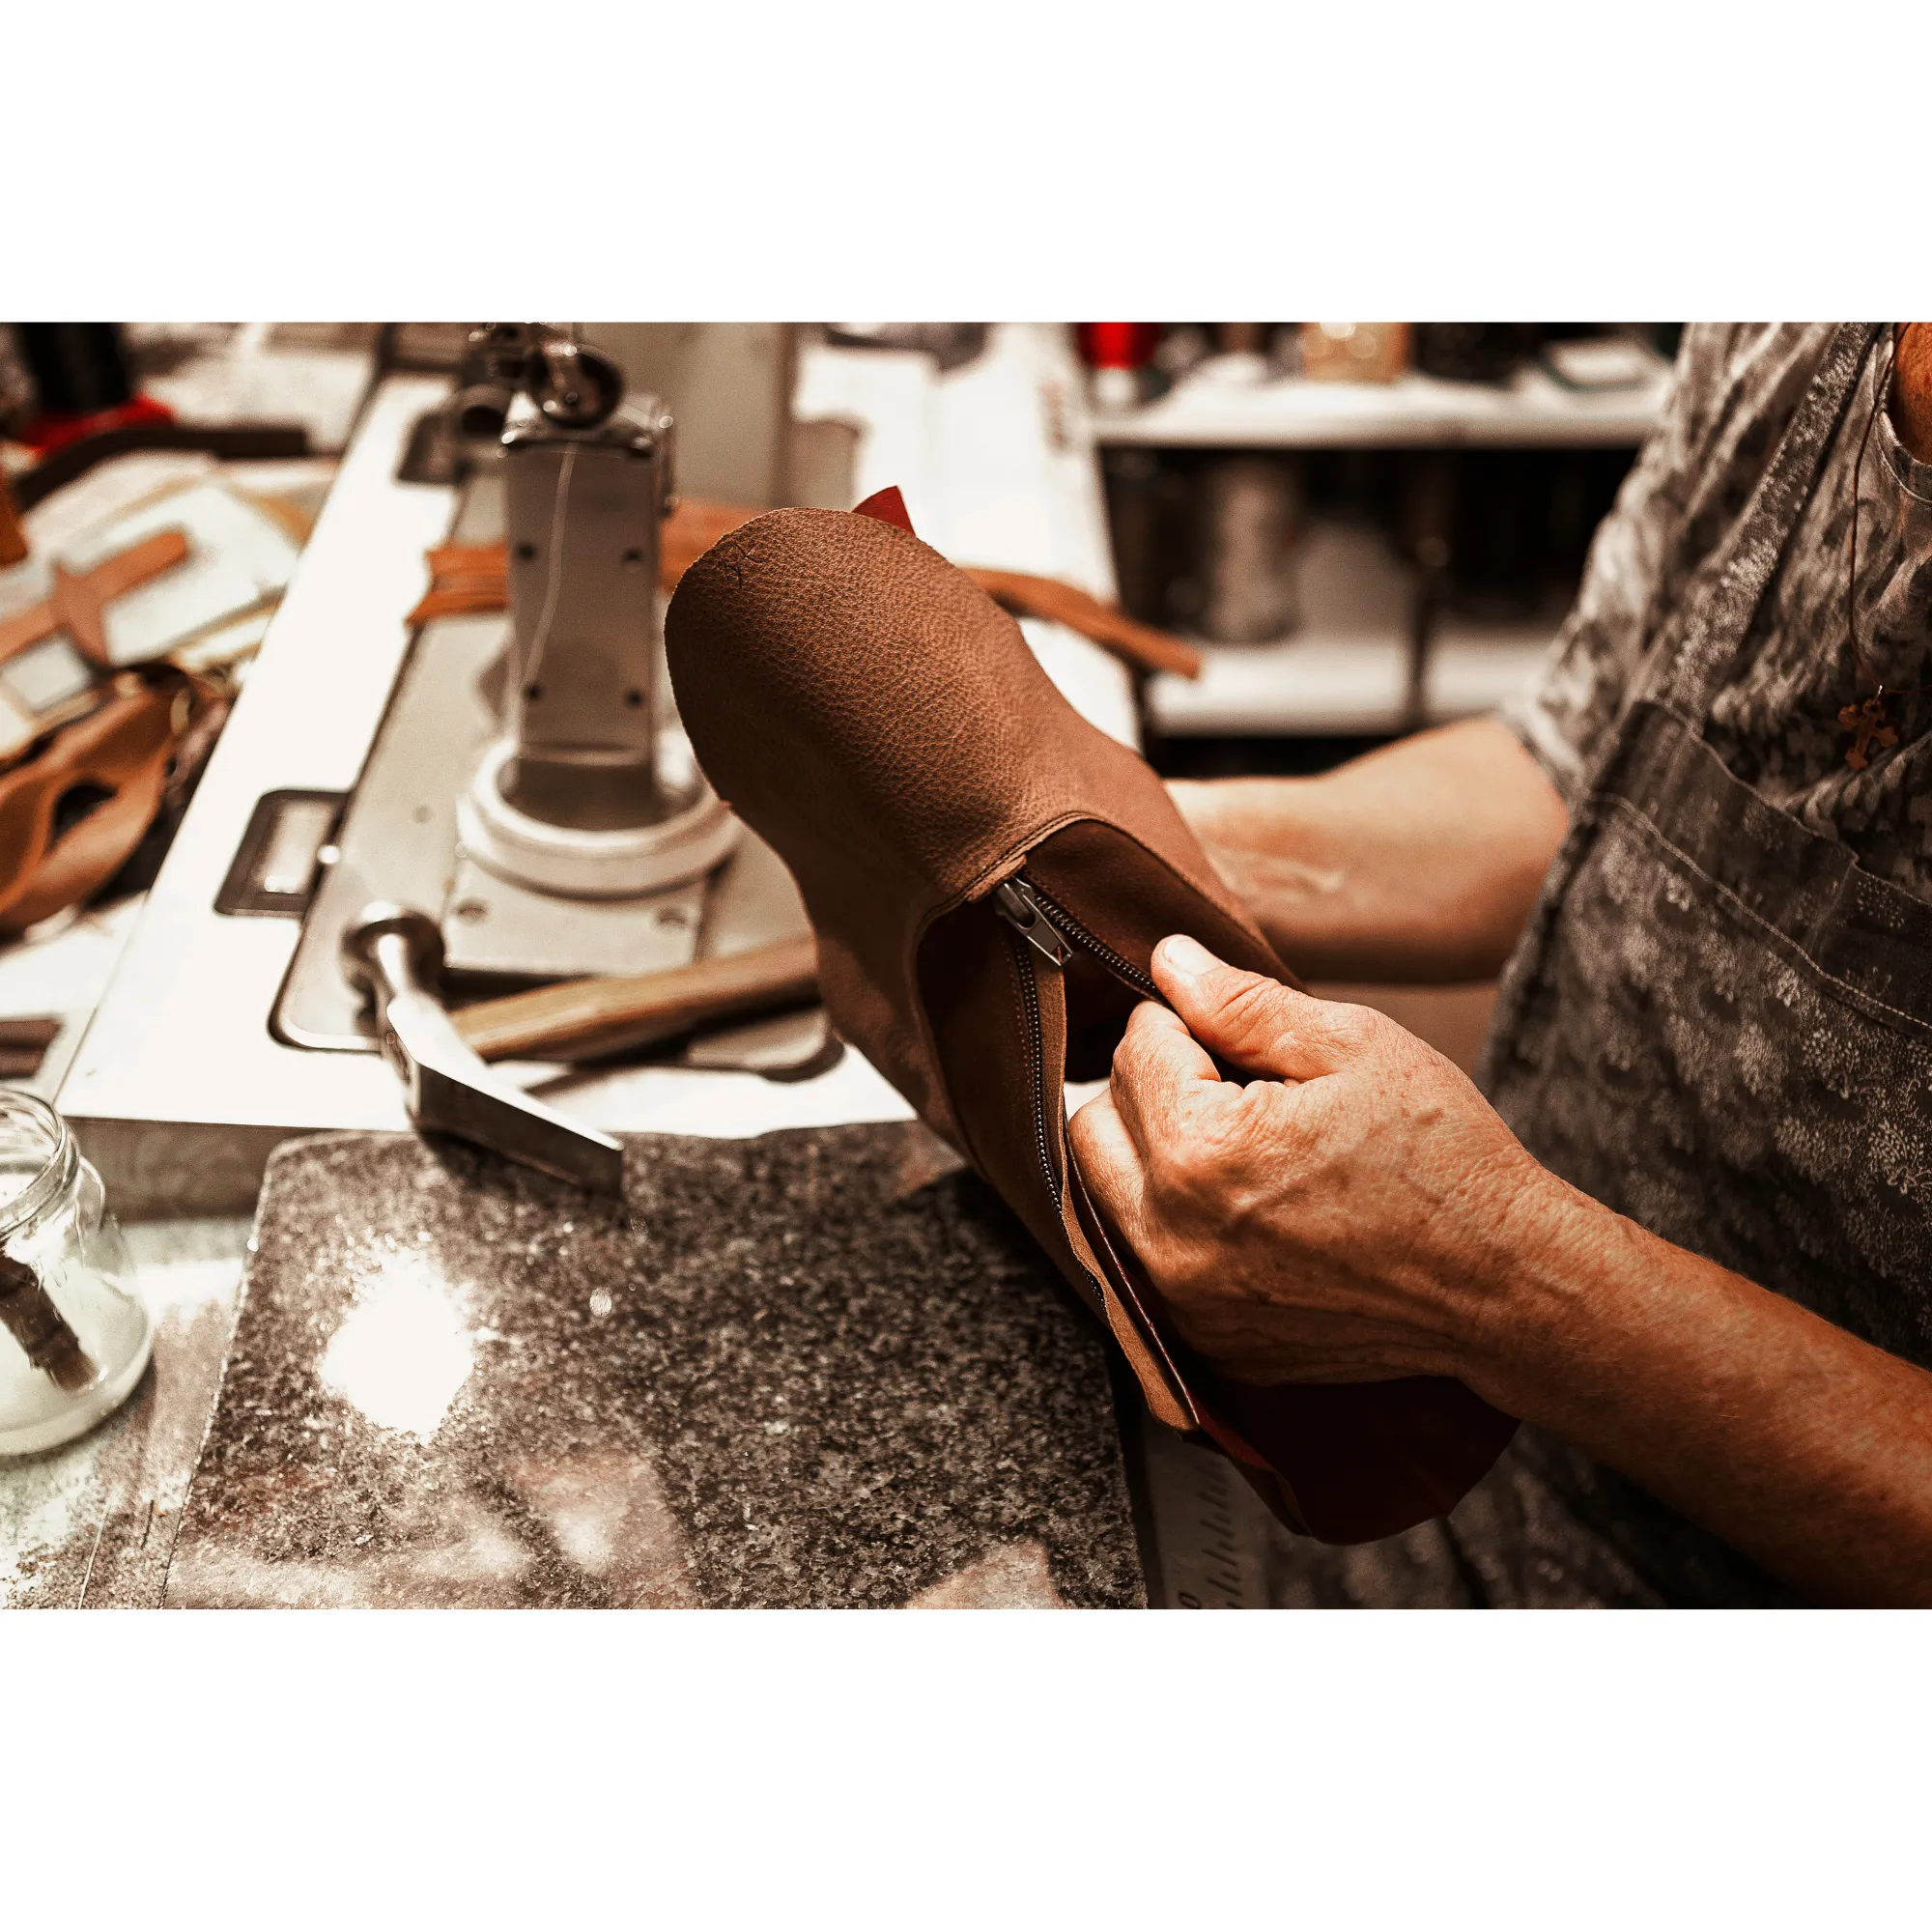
point(883, 724)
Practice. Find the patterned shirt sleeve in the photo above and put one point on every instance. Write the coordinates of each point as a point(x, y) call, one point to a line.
point(1580, 692)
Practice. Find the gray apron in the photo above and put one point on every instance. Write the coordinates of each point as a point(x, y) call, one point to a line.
point(1719, 1025)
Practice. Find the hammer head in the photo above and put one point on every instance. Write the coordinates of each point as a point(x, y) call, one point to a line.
point(395, 954)
point(382, 918)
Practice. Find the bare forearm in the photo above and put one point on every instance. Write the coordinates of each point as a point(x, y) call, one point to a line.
point(1415, 864)
point(1799, 1444)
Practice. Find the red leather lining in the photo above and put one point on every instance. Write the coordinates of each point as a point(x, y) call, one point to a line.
point(887, 506)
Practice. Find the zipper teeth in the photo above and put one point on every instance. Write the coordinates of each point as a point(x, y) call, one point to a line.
point(1036, 1058)
point(1072, 930)
point(1037, 1072)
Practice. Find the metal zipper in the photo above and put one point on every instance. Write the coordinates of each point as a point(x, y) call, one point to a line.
point(1035, 1050)
point(1053, 931)
point(1038, 925)
point(1016, 902)
point(1029, 931)
point(1046, 927)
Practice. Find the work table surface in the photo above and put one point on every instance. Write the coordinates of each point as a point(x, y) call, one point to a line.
point(819, 1368)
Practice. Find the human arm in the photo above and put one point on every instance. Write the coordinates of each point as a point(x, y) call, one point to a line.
point(1912, 389)
point(1417, 864)
point(1359, 1212)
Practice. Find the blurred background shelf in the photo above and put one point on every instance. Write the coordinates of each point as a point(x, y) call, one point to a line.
point(1206, 411)
point(1348, 669)
point(1367, 528)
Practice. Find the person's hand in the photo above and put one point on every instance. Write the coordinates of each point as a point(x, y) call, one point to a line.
point(1354, 1210)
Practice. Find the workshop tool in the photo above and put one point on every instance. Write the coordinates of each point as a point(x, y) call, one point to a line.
point(395, 956)
point(588, 1019)
point(590, 796)
point(989, 873)
point(530, 786)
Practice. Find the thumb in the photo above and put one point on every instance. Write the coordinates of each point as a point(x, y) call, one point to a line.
point(1254, 1022)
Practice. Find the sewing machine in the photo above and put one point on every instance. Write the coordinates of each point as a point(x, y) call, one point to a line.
point(528, 790)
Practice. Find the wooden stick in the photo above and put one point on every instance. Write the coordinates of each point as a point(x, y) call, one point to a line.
point(585, 1019)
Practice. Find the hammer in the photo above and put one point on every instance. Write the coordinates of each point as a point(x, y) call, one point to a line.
point(395, 956)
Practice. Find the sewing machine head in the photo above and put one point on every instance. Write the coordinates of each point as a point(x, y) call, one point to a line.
point(590, 793)
point(531, 787)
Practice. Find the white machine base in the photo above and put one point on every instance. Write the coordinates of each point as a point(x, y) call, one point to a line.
point(621, 865)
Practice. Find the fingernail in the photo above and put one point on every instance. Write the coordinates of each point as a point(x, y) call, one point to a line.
point(1188, 956)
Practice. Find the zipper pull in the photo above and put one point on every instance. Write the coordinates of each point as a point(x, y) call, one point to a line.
point(1014, 902)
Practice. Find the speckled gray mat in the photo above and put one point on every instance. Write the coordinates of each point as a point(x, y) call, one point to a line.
point(823, 1367)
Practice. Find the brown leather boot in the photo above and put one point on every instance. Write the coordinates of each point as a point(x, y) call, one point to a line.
point(988, 875)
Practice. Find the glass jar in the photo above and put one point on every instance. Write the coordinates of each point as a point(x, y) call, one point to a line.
point(73, 1337)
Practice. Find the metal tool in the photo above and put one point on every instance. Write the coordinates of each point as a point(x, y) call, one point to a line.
point(395, 954)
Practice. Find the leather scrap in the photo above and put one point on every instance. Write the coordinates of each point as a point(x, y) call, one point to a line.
point(73, 815)
point(473, 579)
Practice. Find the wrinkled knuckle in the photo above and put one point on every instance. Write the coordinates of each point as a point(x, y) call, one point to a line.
point(1138, 1035)
point(1252, 1006)
point(1351, 1028)
point(1195, 1166)
point(1216, 1138)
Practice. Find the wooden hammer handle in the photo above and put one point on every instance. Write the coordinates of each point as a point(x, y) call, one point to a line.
point(585, 1019)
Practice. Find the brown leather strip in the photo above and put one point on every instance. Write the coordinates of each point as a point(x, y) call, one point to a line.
point(470, 579)
point(26, 627)
point(80, 601)
point(124, 748)
point(1138, 644)
point(1164, 1388)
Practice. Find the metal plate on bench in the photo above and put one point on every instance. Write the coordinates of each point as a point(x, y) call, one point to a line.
point(398, 842)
